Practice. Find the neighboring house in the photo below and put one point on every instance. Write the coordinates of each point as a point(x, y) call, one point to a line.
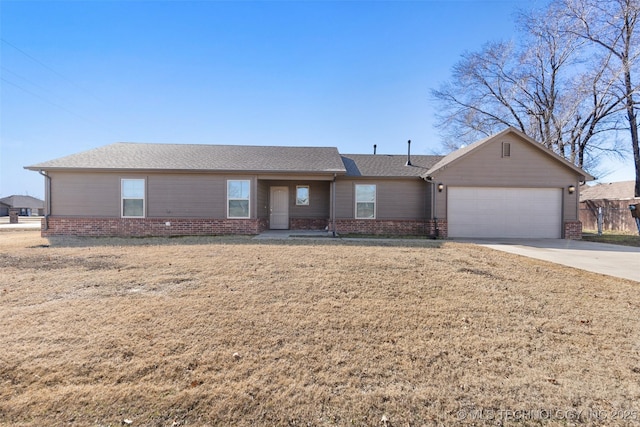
point(507, 185)
point(4, 209)
point(26, 205)
point(614, 199)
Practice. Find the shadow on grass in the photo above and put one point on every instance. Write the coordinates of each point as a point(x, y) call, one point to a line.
point(71, 241)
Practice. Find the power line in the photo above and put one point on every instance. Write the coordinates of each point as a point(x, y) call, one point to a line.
point(48, 101)
point(25, 79)
point(42, 64)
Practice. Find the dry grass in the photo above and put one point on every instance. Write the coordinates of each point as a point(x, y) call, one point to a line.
point(203, 331)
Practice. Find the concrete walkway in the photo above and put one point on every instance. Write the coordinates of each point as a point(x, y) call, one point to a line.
point(612, 260)
point(291, 234)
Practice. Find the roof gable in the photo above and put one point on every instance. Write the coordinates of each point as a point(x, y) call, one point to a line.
point(454, 157)
point(191, 157)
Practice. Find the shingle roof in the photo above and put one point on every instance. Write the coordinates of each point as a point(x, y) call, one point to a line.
point(384, 165)
point(608, 190)
point(22, 202)
point(138, 156)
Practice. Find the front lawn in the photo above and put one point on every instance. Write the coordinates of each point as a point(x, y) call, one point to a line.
point(232, 331)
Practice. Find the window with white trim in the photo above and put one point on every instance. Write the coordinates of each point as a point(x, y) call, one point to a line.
point(365, 201)
point(238, 192)
point(302, 195)
point(132, 198)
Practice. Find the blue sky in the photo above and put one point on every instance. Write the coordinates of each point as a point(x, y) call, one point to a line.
point(349, 74)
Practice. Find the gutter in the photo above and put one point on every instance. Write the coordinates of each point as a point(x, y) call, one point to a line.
point(333, 205)
point(47, 197)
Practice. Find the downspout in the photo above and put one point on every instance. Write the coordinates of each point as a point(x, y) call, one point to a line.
point(433, 212)
point(433, 205)
point(333, 205)
point(47, 197)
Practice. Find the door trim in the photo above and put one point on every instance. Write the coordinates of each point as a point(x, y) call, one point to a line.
point(282, 222)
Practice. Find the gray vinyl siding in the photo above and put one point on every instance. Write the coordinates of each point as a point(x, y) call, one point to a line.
point(395, 198)
point(319, 201)
point(527, 167)
point(83, 194)
point(345, 194)
point(263, 199)
point(186, 196)
point(167, 195)
point(193, 195)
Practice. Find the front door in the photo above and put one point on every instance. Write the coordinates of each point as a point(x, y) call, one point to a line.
point(279, 209)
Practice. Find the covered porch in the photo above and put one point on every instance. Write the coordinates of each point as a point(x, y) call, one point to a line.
point(296, 203)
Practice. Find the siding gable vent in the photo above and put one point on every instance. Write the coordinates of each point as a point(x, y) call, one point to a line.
point(506, 149)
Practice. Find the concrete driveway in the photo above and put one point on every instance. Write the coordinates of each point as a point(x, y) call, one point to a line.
point(24, 222)
point(612, 260)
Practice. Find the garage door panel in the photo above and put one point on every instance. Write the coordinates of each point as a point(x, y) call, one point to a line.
point(504, 212)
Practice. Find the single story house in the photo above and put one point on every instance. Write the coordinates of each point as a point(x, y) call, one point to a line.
point(507, 185)
point(26, 205)
point(4, 209)
point(612, 199)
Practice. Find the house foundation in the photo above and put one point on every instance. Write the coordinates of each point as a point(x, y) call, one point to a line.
point(389, 227)
point(144, 227)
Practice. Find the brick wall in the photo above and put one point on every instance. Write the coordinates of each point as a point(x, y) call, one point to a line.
point(308, 223)
point(439, 227)
point(125, 227)
point(573, 230)
point(387, 227)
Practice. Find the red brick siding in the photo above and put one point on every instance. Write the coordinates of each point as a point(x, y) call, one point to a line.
point(573, 230)
point(439, 228)
point(107, 227)
point(387, 227)
point(308, 223)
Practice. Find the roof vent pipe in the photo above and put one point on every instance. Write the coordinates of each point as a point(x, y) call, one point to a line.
point(374, 149)
point(408, 153)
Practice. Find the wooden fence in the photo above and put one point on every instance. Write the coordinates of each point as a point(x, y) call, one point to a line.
point(616, 215)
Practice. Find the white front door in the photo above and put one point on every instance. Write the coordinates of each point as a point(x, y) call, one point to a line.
point(279, 209)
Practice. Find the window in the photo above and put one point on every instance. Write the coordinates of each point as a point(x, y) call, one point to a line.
point(238, 198)
point(302, 195)
point(366, 201)
point(132, 198)
point(506, 149)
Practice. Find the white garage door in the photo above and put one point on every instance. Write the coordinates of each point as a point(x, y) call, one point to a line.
point(504, 212)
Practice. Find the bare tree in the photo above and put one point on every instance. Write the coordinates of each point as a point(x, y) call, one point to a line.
point(610, 26)
point(481, 96)
point(545, 86)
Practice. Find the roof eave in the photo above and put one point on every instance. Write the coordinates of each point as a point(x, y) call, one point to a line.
point(384, 176)
point(142, 170)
